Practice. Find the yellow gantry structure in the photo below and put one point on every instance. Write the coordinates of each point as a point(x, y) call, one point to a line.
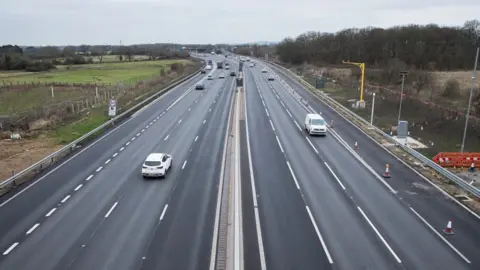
point(362, 68)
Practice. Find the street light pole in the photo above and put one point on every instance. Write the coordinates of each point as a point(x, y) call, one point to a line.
point(373, 108)
point(470, 100)
point(403, 74)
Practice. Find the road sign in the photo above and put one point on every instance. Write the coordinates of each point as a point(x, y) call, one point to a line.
point(112, 108)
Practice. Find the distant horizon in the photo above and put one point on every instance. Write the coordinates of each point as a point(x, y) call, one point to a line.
point(182, 44)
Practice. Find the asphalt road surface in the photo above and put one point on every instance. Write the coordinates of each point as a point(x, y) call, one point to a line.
point(356, 222)
point(97, 212)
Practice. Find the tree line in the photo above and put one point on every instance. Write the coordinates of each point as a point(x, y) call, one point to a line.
point(427, 47)
point(14, 57)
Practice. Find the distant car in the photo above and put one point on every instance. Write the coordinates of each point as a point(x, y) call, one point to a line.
point(199, 86)
point(221, 76)
point(264, 70)
point(232, 73)
point(156, 165)
point(227, 67)
point(252, 64)
point(203, 71)
point(210, 77)
point(270, 77)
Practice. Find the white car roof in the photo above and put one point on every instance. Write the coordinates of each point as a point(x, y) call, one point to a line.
point(155, 157)
point(314, 116)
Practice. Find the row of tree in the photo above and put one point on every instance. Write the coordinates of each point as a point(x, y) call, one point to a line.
point(13, 57)
point(430, 47)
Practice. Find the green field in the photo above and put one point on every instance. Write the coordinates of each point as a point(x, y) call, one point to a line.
point(14, 101)
point(125, 72)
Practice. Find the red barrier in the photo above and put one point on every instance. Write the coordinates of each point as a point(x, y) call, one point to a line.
point(457, 159)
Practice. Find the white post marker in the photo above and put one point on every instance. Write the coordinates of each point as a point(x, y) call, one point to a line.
point(373, 108)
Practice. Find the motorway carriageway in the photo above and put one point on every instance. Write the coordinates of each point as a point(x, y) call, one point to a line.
point(319, 206)
point(96, 211)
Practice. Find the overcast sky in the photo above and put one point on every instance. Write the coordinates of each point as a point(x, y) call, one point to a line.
point(61, 22)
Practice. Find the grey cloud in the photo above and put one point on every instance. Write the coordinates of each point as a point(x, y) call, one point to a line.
point(58, 22)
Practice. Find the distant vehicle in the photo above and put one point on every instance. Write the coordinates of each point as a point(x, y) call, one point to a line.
point(220, 64)
point(199, 86)
point(232, 73)
point(315, 124)
point(203, 71)
point(210, 62)
point(227, 67)
point(156, 165)
point(210, 77)
point(252, 64)
point(212, 53)
point(221, 76)
point(270, 77)
point(264, 70)
point(208, 67)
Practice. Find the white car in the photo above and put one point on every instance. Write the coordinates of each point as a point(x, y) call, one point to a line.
point(252, 64)
point(221, 76)
point(210, 77)
point(315, 124)
point(227, 67)
point(156, 165)
point(264, 70)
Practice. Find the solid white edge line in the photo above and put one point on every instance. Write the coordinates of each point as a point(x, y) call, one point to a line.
point(271, 124)
point(293, 175)
point(32, 229)
point(335, 176)
point(184, 163)
point(164, 211)
point(279, 144)
point(439, 235)
point(10, 248)
point(196, 138)
point(108, 161)
point(261, 249)
point(189, 90)
point(78, 187)
point(379, 235)
point(51, 212)
point(166, 138)
point(111, 209)
point(89, 177)
point(311, 144)
point(213, 253)
point(65, 199)
point(319, 235)
point(99, 168)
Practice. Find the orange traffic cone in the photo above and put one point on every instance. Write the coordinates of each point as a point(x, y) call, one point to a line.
point(355, 146)
point(448, 229)
point(386, 174)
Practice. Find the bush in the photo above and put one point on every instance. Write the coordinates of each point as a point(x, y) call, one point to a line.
point(177, 67)
point(451, 88)
point(39, 66)
point(75, 60)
